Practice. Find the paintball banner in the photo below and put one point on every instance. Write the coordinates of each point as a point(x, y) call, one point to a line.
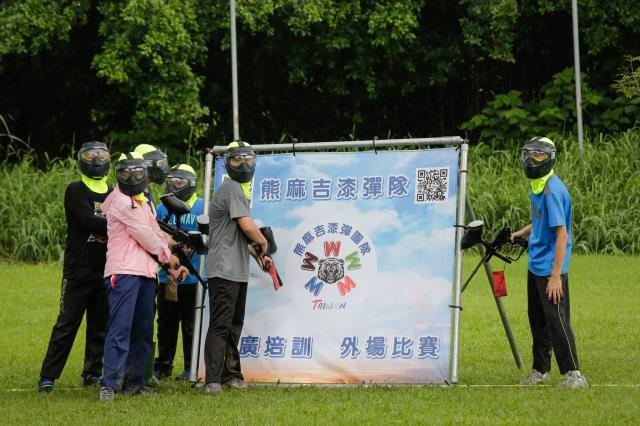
point(366, 245)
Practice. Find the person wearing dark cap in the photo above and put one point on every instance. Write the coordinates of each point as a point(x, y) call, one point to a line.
point(135, 247)
point(232, 237)
point(84, 257)
point(550, 241)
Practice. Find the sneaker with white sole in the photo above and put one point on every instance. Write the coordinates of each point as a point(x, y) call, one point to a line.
point(574, 380)
point(106, 393)
point(213, 389)
point(234, 383)
point(536, 378)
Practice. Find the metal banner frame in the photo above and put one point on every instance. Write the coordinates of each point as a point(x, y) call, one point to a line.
point(452, 141)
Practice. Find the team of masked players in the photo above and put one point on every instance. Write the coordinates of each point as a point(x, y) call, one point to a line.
point(114, 247)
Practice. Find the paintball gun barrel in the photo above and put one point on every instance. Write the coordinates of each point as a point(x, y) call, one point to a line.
point(502, 241)
point(187, 243)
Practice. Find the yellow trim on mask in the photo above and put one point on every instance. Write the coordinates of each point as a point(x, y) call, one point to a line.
point(537, 185)
point(191, 201)
point(99, 186)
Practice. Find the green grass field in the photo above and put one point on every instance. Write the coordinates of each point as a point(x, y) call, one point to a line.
point(605, 317)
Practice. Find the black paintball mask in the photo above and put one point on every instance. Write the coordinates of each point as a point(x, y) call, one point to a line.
point(240, 161)
point(157, 165)
point(181, 182)
point(538, 156)
point(131, 174)
point(94, 159)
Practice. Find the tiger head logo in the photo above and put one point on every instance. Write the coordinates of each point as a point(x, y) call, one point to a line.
point(331, 270)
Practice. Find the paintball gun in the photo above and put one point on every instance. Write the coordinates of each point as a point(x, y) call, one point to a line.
point(187, 243)
point(271, 250)
point(502, 242)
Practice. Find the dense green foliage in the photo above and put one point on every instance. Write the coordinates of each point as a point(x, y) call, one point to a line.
point(604, 182)
point(554, 113)
point(158, 71)
point(629, 82)
point(605, 339)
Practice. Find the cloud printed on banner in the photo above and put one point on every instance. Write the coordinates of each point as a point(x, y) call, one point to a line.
point(372, 221)
point(402, 306)
point(407, 294)
point(432, 254)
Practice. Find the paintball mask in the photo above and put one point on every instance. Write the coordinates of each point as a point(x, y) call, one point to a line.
point(181, 182)
point(538, 156)
point(155, 161)
point(131, 174)
point(240, 161)
point(93, 158)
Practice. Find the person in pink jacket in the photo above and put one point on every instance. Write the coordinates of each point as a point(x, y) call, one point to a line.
point(135, 247)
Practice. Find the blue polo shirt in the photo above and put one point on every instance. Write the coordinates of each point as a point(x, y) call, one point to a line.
point(187, 223)
point(549, 209)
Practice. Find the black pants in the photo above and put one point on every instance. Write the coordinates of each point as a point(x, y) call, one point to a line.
point(226, 316)
point(550, 326)
point(78, 296)
point(171, 316)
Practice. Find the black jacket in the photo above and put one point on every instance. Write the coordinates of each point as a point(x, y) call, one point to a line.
point(85, 252)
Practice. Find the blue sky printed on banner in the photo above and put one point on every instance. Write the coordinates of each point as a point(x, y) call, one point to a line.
point(403, 289)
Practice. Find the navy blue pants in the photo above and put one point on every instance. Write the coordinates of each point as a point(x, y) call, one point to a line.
point(129, 339)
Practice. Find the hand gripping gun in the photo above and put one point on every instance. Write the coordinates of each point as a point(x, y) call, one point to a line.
point(187, 243)
point(502, 241)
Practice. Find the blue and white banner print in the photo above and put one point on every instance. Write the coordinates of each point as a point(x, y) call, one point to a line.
point(366, 247)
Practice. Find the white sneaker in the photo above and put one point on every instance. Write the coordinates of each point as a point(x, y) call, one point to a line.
point(574, 380)
point(536, 377)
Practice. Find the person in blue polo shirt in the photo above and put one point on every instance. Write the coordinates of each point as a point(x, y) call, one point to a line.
point(176, 301)
point(550, 243)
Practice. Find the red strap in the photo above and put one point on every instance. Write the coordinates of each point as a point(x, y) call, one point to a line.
point(113, 280)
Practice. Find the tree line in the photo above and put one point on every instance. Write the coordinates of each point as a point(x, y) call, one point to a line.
point(158, 71)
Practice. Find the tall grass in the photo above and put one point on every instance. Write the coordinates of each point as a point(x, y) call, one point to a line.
point(32, 208)
point(604, 182)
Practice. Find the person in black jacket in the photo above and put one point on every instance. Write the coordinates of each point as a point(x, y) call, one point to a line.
point(84, 259)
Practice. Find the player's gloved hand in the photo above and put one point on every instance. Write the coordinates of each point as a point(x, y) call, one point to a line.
point(178, 274)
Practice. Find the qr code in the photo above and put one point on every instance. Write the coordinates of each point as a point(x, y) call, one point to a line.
point(432, 185)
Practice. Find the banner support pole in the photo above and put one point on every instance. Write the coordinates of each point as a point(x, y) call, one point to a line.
point(501, 310)
point(199, 303)
point(462, 188)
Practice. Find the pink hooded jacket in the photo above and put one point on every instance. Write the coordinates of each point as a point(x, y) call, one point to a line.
point(133, 234)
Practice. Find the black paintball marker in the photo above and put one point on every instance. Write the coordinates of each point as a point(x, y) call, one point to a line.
point(188, 243)
point(502, 242)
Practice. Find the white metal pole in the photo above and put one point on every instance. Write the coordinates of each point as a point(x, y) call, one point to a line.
point(576, 61)
point(234, 72)
point(462, 196)
point(199, 305)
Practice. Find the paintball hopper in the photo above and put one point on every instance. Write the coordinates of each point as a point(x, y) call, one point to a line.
point(203, 224)
point(473, 234)
point(175, 205)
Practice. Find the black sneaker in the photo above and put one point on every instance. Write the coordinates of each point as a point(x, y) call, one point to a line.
point(91, 380)
point(45, 385)
point(161, 370)
point(141, 391)
point(184, 376)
